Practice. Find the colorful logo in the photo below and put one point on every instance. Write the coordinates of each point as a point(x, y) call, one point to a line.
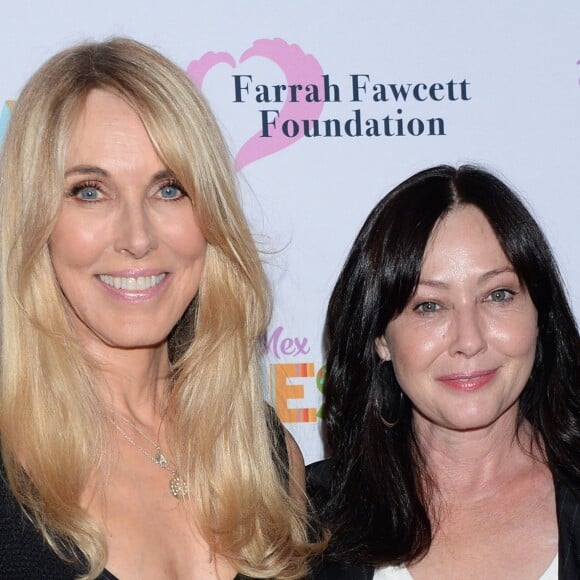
point(292, 383)
point(300, 70)
point(288, 388)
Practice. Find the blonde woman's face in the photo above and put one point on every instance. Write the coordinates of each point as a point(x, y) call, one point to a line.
point(127, 250)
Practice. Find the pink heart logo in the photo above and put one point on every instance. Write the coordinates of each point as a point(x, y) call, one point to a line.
point(298, 68)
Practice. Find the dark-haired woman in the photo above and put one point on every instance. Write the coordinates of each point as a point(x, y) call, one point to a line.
point(453, 393)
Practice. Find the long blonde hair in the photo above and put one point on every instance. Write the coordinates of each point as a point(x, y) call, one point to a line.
point(50, 413)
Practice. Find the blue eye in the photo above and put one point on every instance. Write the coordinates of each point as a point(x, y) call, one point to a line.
point(170, 192)
point(86, 193)
point(500, 295)
point(427, 307)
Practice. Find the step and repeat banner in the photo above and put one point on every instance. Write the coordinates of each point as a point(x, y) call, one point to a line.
point(327, 105)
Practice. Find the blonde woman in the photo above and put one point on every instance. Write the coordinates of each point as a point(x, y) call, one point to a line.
point(135, 441)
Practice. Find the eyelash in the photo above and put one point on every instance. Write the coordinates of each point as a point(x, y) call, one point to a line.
point(418, 308)
point(76, 189)
point(175, 184)
point(508, 298)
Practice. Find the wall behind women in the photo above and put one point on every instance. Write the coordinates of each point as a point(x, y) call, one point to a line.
point(327, 105)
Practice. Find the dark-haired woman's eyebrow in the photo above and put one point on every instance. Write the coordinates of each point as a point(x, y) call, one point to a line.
point(433, 283)
point(496, 272)
point(483, 278)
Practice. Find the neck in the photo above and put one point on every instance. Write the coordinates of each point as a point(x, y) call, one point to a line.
point(133, 382)
point(471, 465)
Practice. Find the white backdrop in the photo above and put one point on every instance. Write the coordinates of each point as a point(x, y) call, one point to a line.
point(495, 83)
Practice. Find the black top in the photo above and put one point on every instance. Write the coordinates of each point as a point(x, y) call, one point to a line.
point(319, 481)
point(24, 554)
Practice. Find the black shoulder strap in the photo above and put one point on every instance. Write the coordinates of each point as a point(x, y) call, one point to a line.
point(278, 442)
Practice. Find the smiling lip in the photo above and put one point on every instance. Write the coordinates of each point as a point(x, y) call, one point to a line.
point(132, 283)
point(471, 381)
point(133, 286)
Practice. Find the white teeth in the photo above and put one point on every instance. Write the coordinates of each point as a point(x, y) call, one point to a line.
point(130, 283)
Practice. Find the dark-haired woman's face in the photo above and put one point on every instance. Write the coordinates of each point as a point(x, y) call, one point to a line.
point(464, 346)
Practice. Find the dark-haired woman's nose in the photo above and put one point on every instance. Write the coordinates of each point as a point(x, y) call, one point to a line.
point(468, 332)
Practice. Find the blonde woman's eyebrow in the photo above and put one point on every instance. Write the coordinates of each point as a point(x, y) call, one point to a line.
point(86, 170)
point(162, 175)
point(95, 170)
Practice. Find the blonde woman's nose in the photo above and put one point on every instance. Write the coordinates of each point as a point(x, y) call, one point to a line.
point(134, 231)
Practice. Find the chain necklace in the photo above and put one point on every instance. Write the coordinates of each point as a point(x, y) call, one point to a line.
point(177, 486)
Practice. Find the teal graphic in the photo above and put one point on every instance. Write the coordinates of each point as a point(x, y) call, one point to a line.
point(4, 119)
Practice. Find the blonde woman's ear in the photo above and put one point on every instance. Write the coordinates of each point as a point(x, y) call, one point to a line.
point(382, 348)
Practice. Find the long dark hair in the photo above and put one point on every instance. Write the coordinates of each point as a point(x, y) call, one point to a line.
point(378, 508)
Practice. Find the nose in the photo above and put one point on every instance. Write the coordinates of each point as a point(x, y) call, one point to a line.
point(134, 231)
point(468, 332)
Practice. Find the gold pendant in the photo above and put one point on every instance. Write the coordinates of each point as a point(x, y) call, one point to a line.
point(178, 488)
point(160, 459)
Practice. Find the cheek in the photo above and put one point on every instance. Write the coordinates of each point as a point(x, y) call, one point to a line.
point(176, 226)
point(413, 353)
point(516, 337)
point(74, 243)
point(188, 242)
point(415, 345)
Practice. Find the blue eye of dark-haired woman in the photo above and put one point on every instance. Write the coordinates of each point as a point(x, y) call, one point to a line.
point(427, 307)
point(501, 295)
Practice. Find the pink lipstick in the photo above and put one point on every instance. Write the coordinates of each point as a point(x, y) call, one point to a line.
point(468, 381)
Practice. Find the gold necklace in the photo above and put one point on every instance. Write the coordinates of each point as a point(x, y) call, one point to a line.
point(177, 486)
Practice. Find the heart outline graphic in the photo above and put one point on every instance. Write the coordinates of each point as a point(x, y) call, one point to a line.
point(297, 67)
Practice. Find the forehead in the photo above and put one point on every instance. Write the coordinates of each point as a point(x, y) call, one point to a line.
point(461, 243)
point(102, 100)
point(106, 127)
point(100, 109)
